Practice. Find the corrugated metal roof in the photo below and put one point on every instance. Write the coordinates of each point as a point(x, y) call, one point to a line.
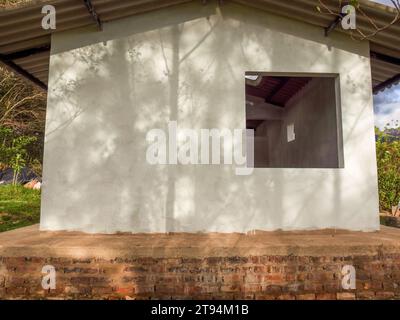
point(24, 45)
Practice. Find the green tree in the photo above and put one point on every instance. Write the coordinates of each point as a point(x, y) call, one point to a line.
point(23, 110)
point(388, 160)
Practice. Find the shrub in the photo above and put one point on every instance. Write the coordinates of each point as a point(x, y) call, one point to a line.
point(13, 152)
point(388, 160)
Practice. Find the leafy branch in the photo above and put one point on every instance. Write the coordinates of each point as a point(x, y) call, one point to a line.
point(358, 34)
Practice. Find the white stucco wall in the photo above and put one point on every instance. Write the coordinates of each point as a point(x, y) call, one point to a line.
point(187, 63)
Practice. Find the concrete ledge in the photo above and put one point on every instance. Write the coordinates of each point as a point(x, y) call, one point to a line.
point(30, 241)
point(264, 265)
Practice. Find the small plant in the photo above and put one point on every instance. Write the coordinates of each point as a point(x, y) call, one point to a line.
point(13, 151)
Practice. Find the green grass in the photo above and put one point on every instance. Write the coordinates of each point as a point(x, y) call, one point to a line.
point(19, 207)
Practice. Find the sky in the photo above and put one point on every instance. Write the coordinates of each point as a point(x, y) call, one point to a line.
point(387, 103)
point(387, 2)
point(387, 108)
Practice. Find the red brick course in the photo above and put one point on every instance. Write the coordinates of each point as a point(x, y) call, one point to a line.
point(263, 265)
point(254, 277)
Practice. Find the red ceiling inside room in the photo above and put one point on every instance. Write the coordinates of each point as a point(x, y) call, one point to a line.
point(276, 90)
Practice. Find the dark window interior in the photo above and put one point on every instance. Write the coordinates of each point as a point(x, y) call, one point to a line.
point(296, 120)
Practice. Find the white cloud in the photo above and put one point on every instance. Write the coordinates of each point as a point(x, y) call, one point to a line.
point(390, 117)
point(387, 107)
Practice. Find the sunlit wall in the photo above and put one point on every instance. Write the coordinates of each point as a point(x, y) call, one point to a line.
point(187, 63)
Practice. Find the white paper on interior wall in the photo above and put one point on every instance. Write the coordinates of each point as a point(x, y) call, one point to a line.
point(291, 135)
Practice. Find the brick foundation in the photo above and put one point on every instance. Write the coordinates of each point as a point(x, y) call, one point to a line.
point(165, 275)
point(262, 277)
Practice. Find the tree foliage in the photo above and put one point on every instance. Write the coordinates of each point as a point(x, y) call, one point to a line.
point(388, 160)
point(22, 115)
